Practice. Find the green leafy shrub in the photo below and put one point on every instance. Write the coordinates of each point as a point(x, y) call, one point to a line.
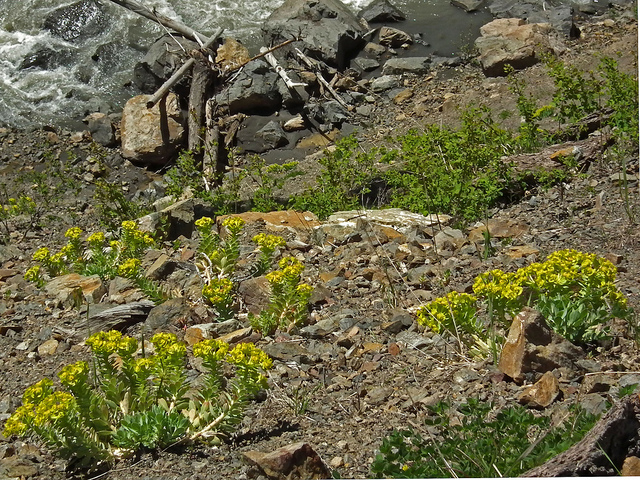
point(265, 180)
point(113, 207)
point(484, 443)
point(124, 401)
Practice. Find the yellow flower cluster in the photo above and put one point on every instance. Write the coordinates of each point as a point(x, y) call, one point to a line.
point(96, 239)
point(54, 407)
point(248, 355)
point(168, 346)
point(454, 310)
point(33, 274)
point(41, 255)
point(16, 207)
point(211, 350)
point(218, 291)
point(37, 392)
point(129, 268)
point(143, 366)
point(73, 233)
point(74, 374)
point(107, 343)
point(497, 284)
point(268, 242)
point(233, 224)
point(204, 224)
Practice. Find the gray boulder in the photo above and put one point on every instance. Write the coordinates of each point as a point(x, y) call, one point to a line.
point(329, 31)
point(273, 135)
point(164, 57)
point(255, 90)
point(560, 16)
point(77, 22)
point(101, 129)
point(381, 11)
point(398, 66)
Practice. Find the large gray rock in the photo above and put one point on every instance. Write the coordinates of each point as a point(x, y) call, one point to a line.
point(392, 37)
point(559, 16)
point(327, 29)
point(151, 136)
point(381, 11)
point(77, 21)
point(510, 41)
point(164, 57)
point(101, 129)
point(255, 90)
point(399, 66)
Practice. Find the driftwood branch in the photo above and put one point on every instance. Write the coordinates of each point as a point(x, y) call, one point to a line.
point(201, 80)
point(119, 317)
point(164, 21)
point(263, 53)
point(268, 56)
point(321, 79)
point(175, 78)
point(603, 449)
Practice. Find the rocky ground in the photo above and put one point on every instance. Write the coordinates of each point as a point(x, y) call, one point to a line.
point(363, 364)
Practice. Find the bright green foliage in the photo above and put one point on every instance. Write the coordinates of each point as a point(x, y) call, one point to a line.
point(483, 444)
point(265, 179)
point(94, 256)
point(344, 181)
point(187, 175)
point(219, 293)
point(289, 300)
point(113, 207)
point(130, 401)
point(13, 207)
point(455, 312)
point(621, 91)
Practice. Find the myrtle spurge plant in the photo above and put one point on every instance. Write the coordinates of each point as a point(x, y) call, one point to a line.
point(12, 208)
point(96, 256)
point(267, 245)
point(575, 291)
point(219, 293)
point(217, 256)
point(289, 299)
point(123, 400)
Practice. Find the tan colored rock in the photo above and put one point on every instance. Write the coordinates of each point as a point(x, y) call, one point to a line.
point(232, 54)
point(511, 41)
point(392, 37)
point(499, 228)
point(277, 221)
point(73, 288)
point(237, 335)
point(151, 135)
point(298, 460)
point(631, 467)
point(542, 393)
point(531, 346)
point(48, 347)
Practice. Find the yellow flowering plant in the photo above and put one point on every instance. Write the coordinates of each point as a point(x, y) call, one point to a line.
point(289, 299)
point(267, 245)
point(219, 293)
point(455, 312)
point(127, 399)
point(12, 208)
point(94, 256)
point(217, 256)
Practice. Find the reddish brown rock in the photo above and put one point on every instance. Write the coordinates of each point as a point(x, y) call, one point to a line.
point(532, 346)
point(73, 288)
point(295, 461)
point(542, 393)
point(631, 467)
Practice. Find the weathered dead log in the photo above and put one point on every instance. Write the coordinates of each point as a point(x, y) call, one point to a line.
point(321, 79)
point(175, 78)
point(164, 21)
point(201, 80)
point(119, 317)
point(212, 161)
point(603, 450)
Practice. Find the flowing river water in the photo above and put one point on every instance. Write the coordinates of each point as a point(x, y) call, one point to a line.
point(88, 74)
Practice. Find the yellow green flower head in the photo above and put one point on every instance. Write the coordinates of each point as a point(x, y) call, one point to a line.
point(57, 258)
point(304, 290)
point(96, 239)
point(218, 291)
point(211, 350)
point(54, 407)
point(497, 284)
point(275, 277)
point(143, 366)
point(129, 268)
point(444, 312)
point(233, 224)
point(204, 223)
point(18, 423)
point(167, 345)
point(74, 374)
point(129, 226)
point(104, 343)
point(37, 392)
point(41, 255)
point(73, 233)
point(248, 355)
point(269, 242)
point(32, 274)
point(127, 346)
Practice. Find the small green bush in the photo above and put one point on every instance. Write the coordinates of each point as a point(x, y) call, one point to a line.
point(484, 443)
